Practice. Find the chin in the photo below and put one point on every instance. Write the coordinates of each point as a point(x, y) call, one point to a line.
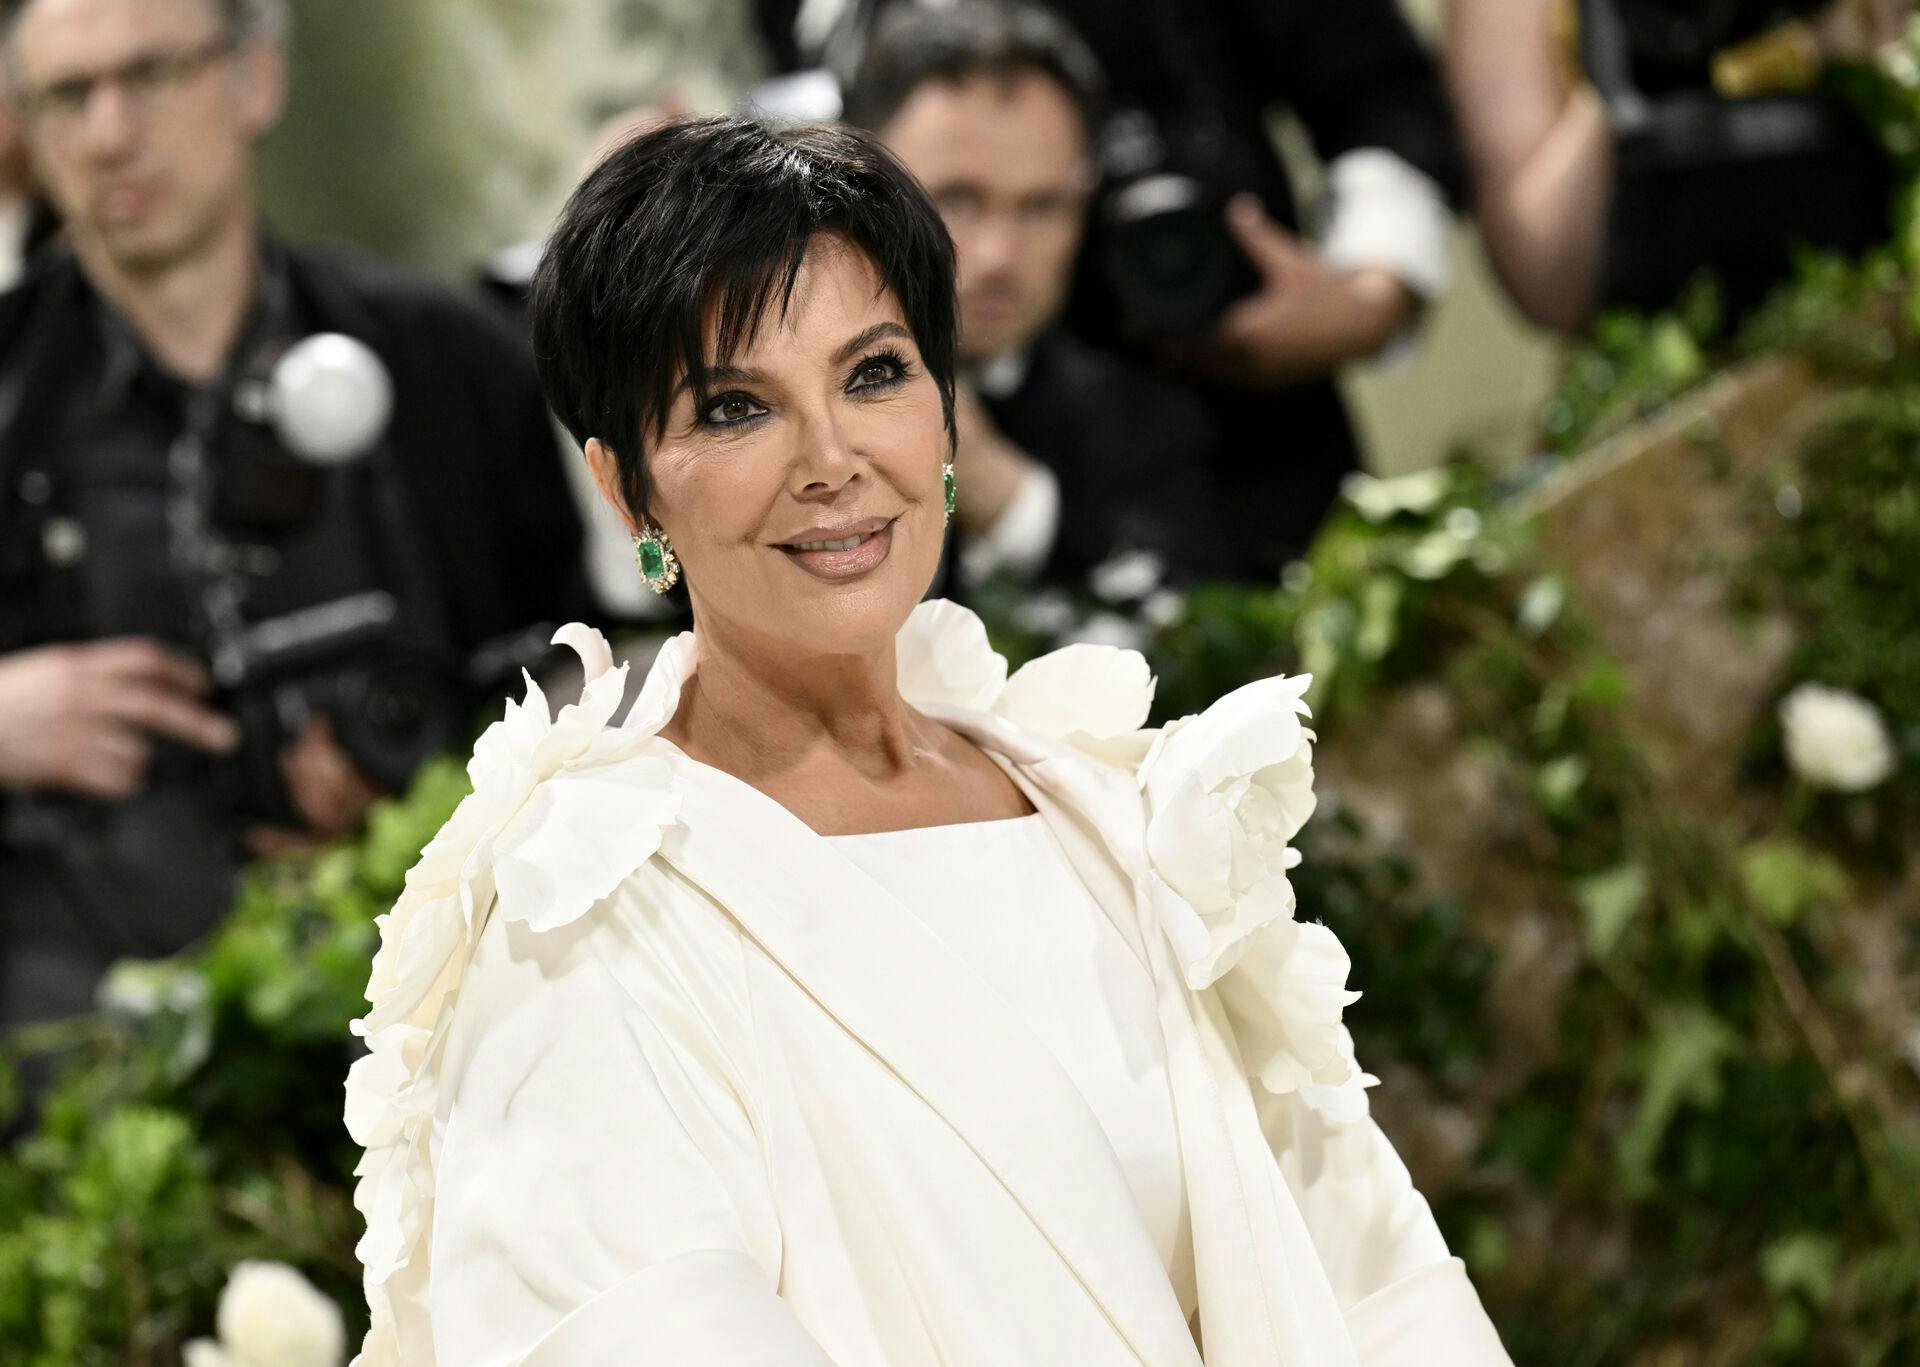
point(164, 238)
point(858, 617)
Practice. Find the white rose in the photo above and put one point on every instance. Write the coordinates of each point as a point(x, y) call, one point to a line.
point(205, 1353)
point(271, 1316)
point(1835, 739)
point(1226, 791)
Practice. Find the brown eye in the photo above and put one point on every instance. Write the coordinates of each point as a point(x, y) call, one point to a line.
point(731, 410)
point(876, 370)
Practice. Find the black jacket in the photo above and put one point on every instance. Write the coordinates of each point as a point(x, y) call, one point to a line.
point(470, 428)
point(83, 883)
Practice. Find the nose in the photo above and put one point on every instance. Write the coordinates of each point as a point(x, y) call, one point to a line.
point(108, 121)
point(824, 459)
point(995, 248)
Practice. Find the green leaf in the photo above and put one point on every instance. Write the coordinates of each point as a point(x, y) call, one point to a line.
point(1681, 1065)
point(1379, 616)
point(132, 1158)
point(1557, 785)
point(1608, 904)
point(1784, 880)
point(1802, 1264)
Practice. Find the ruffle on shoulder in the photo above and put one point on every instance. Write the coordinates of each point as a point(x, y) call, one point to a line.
point(1226, 792)
point(562, 811)
point(1095, 698)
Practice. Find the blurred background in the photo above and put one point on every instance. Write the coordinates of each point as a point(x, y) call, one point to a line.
point(1543, 376)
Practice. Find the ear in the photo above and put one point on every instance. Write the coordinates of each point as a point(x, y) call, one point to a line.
point(262, 72)
point(606, 478)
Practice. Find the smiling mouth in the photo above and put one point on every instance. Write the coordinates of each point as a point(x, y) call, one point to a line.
point(842, 557)
point(844, 545)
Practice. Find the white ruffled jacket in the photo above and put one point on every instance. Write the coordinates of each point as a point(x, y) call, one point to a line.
point(658, 1076)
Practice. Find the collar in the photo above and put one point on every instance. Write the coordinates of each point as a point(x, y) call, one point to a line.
point(127, 362)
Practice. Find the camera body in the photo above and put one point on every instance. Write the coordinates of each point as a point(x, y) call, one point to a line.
point(1702, 180)
point(1166, 267)
point(291, 527)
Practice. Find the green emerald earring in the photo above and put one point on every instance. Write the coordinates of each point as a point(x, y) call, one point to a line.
point(946, 476)
point(658, 564)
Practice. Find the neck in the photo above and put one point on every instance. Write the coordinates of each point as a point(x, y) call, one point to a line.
point(188, 312)
point(755, 712)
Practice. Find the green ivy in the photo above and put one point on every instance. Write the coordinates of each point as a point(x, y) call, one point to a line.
point(196, 1121)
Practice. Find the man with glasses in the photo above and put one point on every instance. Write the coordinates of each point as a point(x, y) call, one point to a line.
point(1067, 454)
point(125, 358)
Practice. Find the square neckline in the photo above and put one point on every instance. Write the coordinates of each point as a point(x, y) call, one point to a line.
point(1034, 815)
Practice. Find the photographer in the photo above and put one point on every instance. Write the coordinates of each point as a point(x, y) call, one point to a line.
point(1620, 146)
point(1196, 265)
point(259, 508)
point(1067, 453)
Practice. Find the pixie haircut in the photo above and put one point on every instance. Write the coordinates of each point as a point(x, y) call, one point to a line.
point(997, 39)
point(672, 252)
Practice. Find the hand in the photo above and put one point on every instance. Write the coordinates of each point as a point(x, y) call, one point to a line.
point(1307, 319)
point(988, 469)
point(1856, 30)
point(328, 791)
point(79, 718)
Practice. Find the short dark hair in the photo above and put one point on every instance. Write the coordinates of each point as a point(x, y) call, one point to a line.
point(715, 216)
point(1000, 39)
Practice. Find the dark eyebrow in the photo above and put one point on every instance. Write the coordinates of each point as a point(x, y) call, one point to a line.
point(713, 376)
point(866, 339)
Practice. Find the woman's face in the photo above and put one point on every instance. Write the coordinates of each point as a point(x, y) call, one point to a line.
point(803, 492)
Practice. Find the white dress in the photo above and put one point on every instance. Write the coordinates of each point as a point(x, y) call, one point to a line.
point(659, 1076)
point(1004, 897)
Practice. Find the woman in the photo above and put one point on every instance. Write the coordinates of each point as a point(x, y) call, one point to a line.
point(851, 1002)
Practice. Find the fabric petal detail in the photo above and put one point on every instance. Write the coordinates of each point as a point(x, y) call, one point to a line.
point(596, 656)
point(1342, 1103)
point(660, 695)
point(1227, 791)
point(578, 838)
point(1248, 730)
point(1086, 690)
point(1285, 998)
point(946, 660)
point(562, 810)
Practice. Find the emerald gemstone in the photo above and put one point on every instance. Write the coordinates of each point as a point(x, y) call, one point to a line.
point(653, 559)
point(947, 476)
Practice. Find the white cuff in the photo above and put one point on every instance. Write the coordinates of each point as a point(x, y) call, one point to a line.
point(1382, 211)
point(1021, 539)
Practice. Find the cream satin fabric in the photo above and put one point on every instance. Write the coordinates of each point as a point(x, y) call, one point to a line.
point(659, 1076)
point(751, 1112)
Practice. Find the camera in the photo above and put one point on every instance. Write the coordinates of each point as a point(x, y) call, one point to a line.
point(290, 525)
point(1166, 263)
point(1735, 184)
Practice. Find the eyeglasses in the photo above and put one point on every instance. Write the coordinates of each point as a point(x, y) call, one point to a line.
point(61, 107)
